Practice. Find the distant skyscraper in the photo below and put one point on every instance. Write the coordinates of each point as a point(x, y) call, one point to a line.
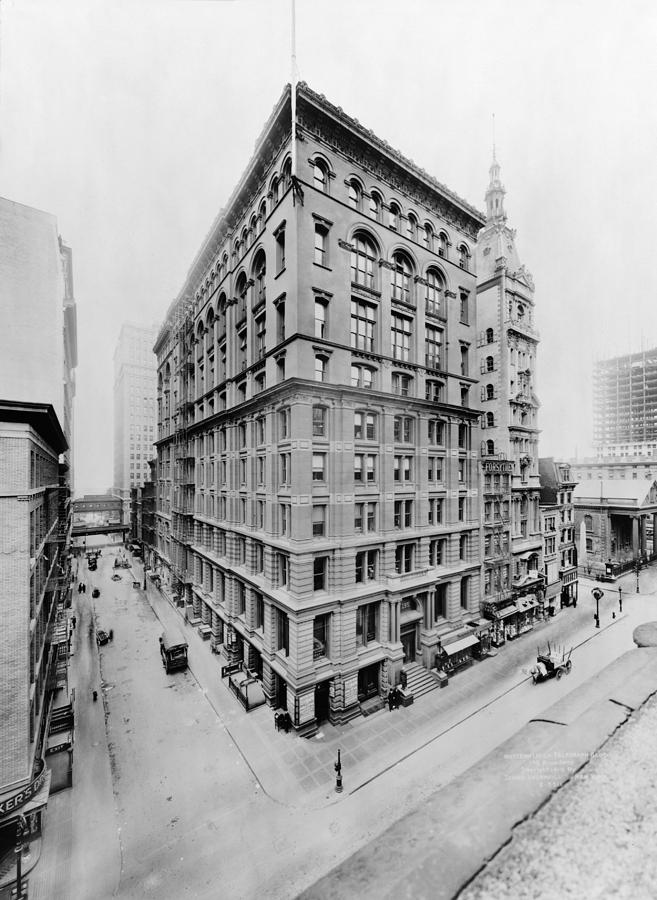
point(625, 405)
point(134, 406)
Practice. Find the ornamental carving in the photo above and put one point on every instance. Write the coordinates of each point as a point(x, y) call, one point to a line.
point(345, 245)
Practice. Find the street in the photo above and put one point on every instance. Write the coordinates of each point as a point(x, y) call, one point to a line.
point(207, 798)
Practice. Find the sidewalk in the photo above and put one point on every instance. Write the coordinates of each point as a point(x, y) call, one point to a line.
point(80, 851)
point(300, 773)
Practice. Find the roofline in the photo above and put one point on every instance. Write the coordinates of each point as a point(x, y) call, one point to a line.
point(40, 416)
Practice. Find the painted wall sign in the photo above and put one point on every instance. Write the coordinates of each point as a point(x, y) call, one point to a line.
point(20, 798)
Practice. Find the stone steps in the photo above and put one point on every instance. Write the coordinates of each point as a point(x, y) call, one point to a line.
point(419, 680)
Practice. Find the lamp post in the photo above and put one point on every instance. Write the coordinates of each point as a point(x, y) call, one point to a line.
point(597, 594)
point(338, 775)
point(638, 569)
point(620, 598)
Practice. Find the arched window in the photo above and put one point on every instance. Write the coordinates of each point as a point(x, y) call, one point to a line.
point(274, 192)
point(490, 448)
point(363, 259)
point(320, 176)
point(490, 420)
point(354, 195)
point(490, 392)
point(394, 215)
point(411, 227)
point(253, 227)
point(259, 272)
point(443, 244)
point(434, 293)
point(262, 214)
point(401, 275)
point(286, 175)
point(428, 237)
point(464, 257)
point(490, 364)
point(490, 336)
point(244, 238)
point(588, 522)
point(521, 310)
point(376, 204)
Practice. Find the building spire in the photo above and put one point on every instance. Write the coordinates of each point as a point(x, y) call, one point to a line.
point(495, 193)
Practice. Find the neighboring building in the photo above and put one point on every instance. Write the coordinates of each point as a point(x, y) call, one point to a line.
point(625, 405)
point(618, 517)
point(38, 355)
point(148, 509)
point(507, 341)
point(318, 506)
point(135, 379)
point(35, 586)
point(615, 468)
point(559, 535)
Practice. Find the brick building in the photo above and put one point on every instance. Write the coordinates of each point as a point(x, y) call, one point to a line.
point(559, 533)
point(318, 506)
point(35, 524)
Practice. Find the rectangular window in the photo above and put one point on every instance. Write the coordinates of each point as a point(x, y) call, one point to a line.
point(403, 430)
point(440, 601)
point(320, 318)
point(282, 632)
point(321, 625)
point(402, 328)
point(260, 513)
point(280, 250)
point(404, 558)
point(284, 424)
point(465, 584)
point(320, 570)
point(432, 343)
point(403, 513)
point(319, 421)
point(367, 623)
point(366, 562)
point(403, 468)
point(365, 467)
point(362, 377)
point(319, 521)
point(463, 547)
point(363, 324)
point(285, 467)
point(434, 390)
point(321, 244)
point(364, 426)
point(461, 509)
point(437, 552)
point(435, 511)
point(462, 470)
point(258, 611)
point(319, 466)
point(260, 337)
point(436, 432)
point(321, 363)
point(464, 301)
point(434, 469)
point(285, 519)
point(260, 468)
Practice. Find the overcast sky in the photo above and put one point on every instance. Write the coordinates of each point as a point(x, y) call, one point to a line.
point(132, 121)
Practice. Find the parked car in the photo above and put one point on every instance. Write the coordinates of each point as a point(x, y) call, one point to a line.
point(102, 637)
point(95, 593)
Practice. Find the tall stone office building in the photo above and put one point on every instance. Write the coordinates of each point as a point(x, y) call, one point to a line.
point(507, 347)
point(135, 380)
point(318, 512)
point(38, 356)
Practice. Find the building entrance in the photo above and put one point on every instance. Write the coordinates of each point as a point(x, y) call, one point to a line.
point(322, 701)
point(408, 642)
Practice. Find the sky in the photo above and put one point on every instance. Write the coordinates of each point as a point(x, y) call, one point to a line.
point(132, 122)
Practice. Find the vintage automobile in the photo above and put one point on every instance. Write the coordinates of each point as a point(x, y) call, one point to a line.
point(551, 664)
point(95, 592)
point(102, 637)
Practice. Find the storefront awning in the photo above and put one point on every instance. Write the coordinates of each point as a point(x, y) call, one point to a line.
point(454, 647)
point(507, 611)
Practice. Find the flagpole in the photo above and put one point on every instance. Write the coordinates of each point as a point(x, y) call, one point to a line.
point(293, 88)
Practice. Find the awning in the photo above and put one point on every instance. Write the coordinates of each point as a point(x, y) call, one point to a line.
point(480, 625)
point(453, 648)
point(507, 611)
point(528, 602)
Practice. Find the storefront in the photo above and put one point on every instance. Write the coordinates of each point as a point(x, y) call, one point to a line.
point(528, 612)
point(482, 630)
point(458, 653)
point(503, 617)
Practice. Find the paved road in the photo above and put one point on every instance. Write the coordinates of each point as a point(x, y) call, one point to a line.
point(213, 802)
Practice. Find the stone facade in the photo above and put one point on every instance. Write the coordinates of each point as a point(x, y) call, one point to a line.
point(317, 499)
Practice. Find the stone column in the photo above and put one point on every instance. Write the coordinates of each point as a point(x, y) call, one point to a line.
point(642, 536)
point(654, 533)
point(635, 537)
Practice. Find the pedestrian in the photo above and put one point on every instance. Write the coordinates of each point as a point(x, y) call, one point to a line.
point(84, 588)
point(396, 698)
point(111, 634)
point(95, 696)
point(391, 698)
point(74, 620)
point(80, 588)
point(574, 602)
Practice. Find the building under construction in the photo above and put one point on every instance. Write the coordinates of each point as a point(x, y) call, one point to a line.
point(625, 405)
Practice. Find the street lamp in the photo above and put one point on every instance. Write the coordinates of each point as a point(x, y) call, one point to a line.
point(638, 569)
point(620, 598)
point(597, 594)
point(338, 775)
